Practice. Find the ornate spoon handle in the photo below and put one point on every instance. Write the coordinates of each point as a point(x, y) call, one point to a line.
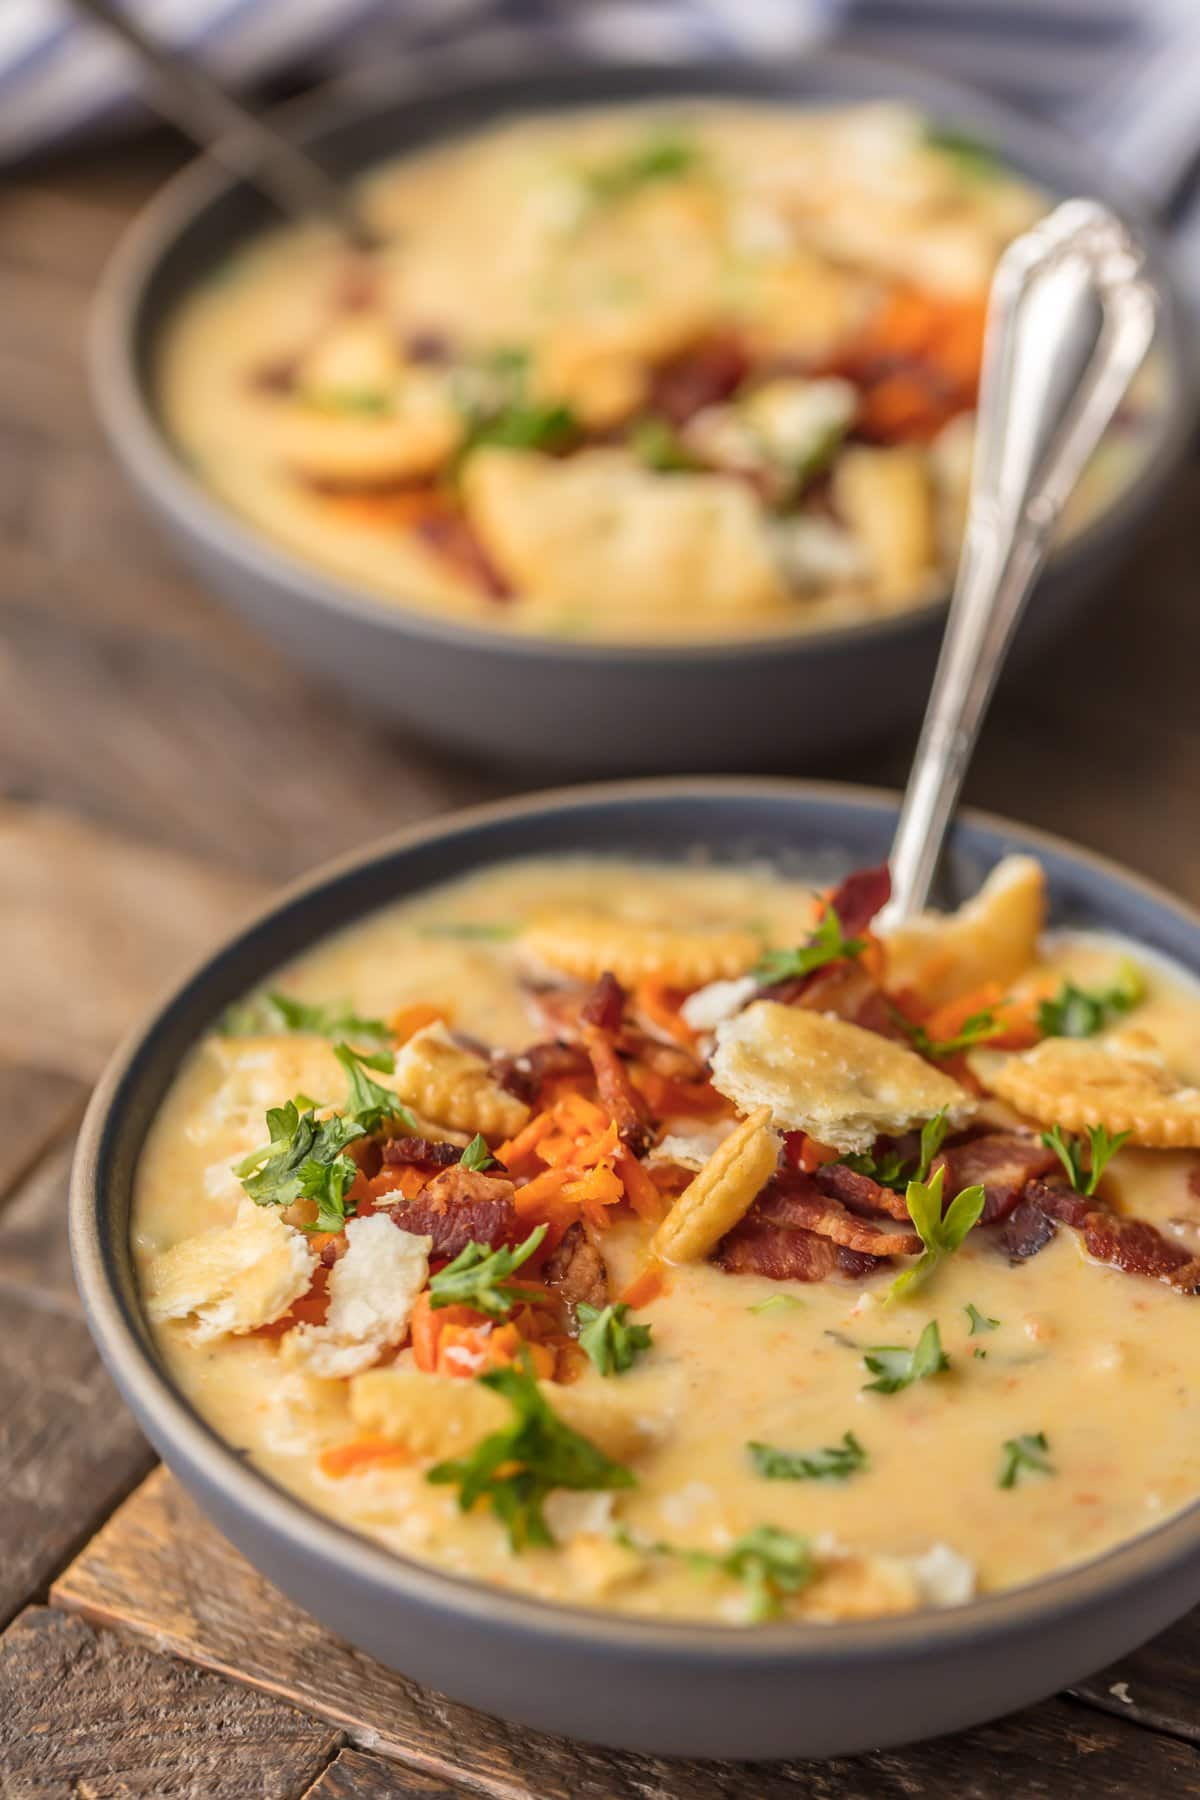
point(1069, 321)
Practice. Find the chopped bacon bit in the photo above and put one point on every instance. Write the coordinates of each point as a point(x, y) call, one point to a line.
point(1132, 1245)
point(459, 1207)
point(426, 1151)
point(448, 533)
point(605, 1005)
point(616, 1090)
point(1003, 1162)
point(859, 1192)
point(1059, 1202)
point(858, 898)
point(798, 1201)
point(428, 346)
point(703, 376)
point(576, 1270)
point(361, 1453)
point(526, 1072)
point(779, 1252)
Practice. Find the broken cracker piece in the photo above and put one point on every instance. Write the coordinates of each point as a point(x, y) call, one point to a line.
point(372, 1289)
point(842, 1085)
point(588, 944)
point(455, 1086)
point(992, 937)
point(233, 1278)
point(722, 1193)
point(1074, 1083)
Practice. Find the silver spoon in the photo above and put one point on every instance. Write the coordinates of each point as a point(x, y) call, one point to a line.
point(230, 132)
point(1069, 320)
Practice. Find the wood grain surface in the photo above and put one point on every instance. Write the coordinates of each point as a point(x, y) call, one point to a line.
point(160, 771)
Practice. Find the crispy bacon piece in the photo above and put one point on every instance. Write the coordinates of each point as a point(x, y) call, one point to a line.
point(859, 1192)
point(524, 1072)
point(1133, 1245)
point(448, 534)
point(783, 1253)
point(1004, 1162)
point(859, 897)
point(798, 1201)
point(425, 1153)
point(605, 1005)
point(461, 1206)
point(702, 376)
point(615, 1090)
point(576, 1270)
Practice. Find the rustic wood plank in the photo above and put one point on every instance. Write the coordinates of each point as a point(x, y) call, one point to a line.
point(93, 928)
point(36, 1107)
point(1157, 1686)
point(69, 1451)
point(34, 1252)
point(355, 1776)
point(86, 1714)
point(159, 1570)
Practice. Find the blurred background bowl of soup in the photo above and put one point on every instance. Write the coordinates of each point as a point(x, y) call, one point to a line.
point(643, 440)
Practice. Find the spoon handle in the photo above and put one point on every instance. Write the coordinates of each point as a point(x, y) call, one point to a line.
point(229, 131)
point(1069, 320)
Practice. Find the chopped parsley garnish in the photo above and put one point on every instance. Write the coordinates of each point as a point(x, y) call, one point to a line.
point(1026, 1454)
point(826, 945)
point(515, 1468)
point(526, 427)
point(337, 1021)
point(889, 1170)
point(980, 1324)
point(494, 401)
point(1074, 1012)
point(777, 1303)
point(970, 156)
point(769, 1562)
point(655, 442)
point(478, 1277)
point(477, 1157)
point(303, 1161)
point(659, 158)
point(836, 1463)
point(895, 1367)
point(977, 1029)
point(612, 1345)
point(368, 1102)
point(940, 1235)
point(1069, 1151)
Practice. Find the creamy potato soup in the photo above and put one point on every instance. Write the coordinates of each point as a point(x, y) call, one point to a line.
point(667, 1239)
point(697, 371)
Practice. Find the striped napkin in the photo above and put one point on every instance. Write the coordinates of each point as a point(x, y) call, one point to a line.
point(1123, 75)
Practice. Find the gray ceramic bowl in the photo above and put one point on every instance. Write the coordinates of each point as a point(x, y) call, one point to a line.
point(770, 702)
point(698, 1690)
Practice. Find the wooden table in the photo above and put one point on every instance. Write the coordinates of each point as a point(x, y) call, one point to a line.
point(161, 771)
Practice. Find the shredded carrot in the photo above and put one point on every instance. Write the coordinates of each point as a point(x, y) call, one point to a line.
point(410, 1019)
point(646, 1285)
point(804, 1152)
point(660, 1005)
point(640, 1190)
point(361, 1453)
point(666, 1097)
point(1017, 1017)
point(401, 1178)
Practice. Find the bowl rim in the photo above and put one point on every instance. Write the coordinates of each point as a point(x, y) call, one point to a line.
point(343, 1554)
point(129, 419)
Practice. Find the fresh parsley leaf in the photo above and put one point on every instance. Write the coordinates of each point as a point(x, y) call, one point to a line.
point(890, 1170)
point(515, 1468)
point(1069, 1151)
point(933, 1136)
point(777, 1303)
point(1027, 1453)
point(895, 1367)
point(478, 1277)
point(1074, 1012)
point(368, 1103)
point(976, 1029)
point(971, 157)
point(477, 1156)
point(827, 944)
point(655, 442)
point(768, 1561)
point(940, 1235)
point(526, 427)
point(980, 1324)
point(836, 1463)
point(658, 158)
point(612, 1345)
point(336, 1021)
point(303, 1160)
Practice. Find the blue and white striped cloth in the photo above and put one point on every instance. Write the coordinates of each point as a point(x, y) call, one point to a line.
point(1123, 75)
